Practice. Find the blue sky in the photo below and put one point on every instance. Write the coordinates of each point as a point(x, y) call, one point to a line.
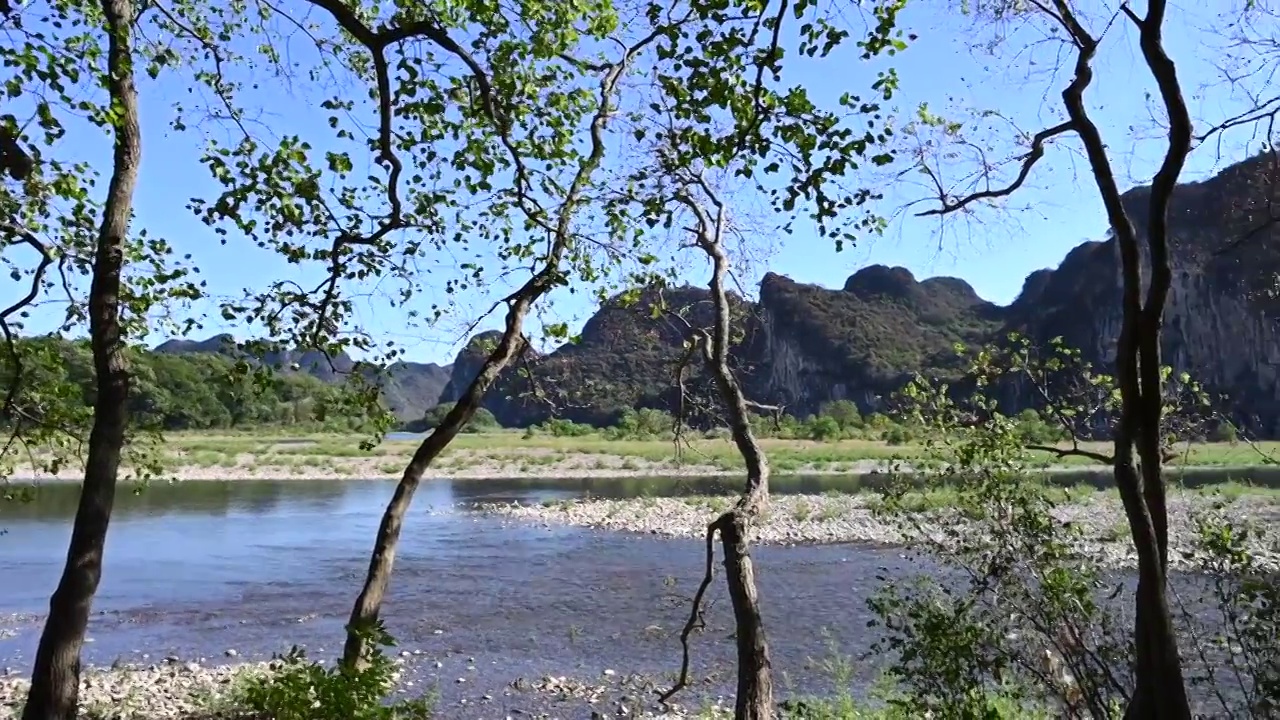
point(993, 250)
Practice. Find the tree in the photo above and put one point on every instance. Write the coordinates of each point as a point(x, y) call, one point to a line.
point(1137, 455)
point(844, 412)
point(725, 124)
point(710, 217)
point(55, 678)
point(495, 98)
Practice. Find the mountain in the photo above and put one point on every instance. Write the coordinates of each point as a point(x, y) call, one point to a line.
point(625, 357)
point(803, 345)
point(409, 389)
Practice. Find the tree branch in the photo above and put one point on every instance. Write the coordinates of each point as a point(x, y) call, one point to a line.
point(1028, 161)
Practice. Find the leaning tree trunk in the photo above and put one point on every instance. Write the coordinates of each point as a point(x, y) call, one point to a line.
point(55, 679)
point(369, 603)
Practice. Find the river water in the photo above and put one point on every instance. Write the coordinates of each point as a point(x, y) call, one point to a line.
point(196, 569)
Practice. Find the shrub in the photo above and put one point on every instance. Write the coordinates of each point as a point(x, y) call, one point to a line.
point(302, 689)
point(825, 429)
point(897, 435)
point(642, 424)
point(560, 427)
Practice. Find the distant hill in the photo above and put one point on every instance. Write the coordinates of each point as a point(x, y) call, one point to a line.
point(409, 389)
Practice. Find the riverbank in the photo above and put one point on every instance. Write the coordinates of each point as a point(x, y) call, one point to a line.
point(833, 518)
point(501, 454)
point(178, 690)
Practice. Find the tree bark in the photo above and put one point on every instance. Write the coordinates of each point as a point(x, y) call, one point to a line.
point(55, 679)
point(754, 699)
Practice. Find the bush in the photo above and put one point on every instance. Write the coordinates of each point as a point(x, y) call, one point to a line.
point(643, 424)
point(897, 435)
point(482, 420)
point(301, 689)
point(825, 429)
point(560, 427)
point(844, 412)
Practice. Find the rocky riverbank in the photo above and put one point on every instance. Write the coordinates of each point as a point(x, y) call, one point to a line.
point(172, 689)
point(834, 518)
point(177, 690)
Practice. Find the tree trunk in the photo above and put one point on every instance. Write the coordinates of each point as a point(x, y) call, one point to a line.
point(1160, 692)
point(369, 603)
point(755, 677)
point(55, 679)
point(754, 699)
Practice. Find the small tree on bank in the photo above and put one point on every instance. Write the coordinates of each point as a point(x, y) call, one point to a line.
point(728, 123)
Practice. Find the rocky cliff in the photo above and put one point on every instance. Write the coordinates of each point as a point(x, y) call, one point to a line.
point(1220, 319)
point(625, 357)
point(804, 345)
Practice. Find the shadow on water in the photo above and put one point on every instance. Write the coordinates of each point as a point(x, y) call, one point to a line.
point(195, 568)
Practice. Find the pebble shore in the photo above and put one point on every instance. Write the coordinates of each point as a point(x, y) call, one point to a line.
point(154, 692)
point(177, 690)
point(832, 518)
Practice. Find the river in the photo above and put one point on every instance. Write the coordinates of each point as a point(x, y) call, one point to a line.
point(205, 570)
point(196, 569)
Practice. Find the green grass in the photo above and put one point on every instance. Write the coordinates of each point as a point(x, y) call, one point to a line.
point(544, 449)
point(513, 449)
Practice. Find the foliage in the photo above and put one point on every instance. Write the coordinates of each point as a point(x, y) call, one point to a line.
point(301, 689)
point(190, 391)
point(642, 424)
point(482, 118)
point(1246, 596)
point(1024, 602)
point(560, 427)
point(481, 421)
point(51, 203)
point(1020, 611)
point(1072, 400)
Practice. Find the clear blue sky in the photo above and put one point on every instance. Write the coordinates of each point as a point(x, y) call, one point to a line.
point(994, 251)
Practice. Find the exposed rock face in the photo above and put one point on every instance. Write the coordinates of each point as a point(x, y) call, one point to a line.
point(805, 345)
point(861, 343)
point(1219, 325)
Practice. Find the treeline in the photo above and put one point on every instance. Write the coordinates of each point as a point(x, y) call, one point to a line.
point(838, 420)
point(189, 391)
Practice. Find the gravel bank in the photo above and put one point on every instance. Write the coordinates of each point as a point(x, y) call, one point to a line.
point(571, 466)
point(177, 690)
point(155, 692)
point(797, 519)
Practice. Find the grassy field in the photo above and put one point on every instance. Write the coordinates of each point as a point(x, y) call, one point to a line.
point(513, 452)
